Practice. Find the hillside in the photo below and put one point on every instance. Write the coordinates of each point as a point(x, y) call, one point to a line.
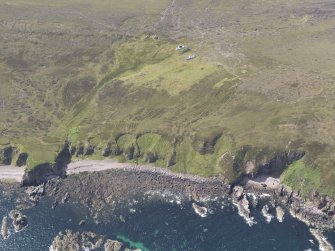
point(106, 76)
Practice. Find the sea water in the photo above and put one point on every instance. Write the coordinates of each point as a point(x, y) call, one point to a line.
point(155, 224)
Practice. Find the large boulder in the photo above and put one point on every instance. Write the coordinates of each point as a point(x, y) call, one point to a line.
point(111, 245)
point(19, 220)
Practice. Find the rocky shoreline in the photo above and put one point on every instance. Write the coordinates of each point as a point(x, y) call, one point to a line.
point(75, 241)
point(281, 195)
point(109, 186)
point(100, 189)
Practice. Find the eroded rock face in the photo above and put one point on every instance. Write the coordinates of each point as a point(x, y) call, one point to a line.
point(80, 151)
point(151, 157)
point(107, 151)
point(276, 165)
point(63, 158)
point(6, 155)
point(22, 159)
point(89, 150)
point(172, 160)
point(129, 154)
point(43, 172)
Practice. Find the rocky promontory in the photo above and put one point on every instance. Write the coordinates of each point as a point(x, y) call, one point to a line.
point(75, 241)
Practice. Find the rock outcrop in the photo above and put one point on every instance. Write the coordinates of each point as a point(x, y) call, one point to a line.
point(279, 162)
point(242, 203)
point(75, 241)
point(20, 221)
point(316, 212)
point(111, 245)
point(199, 210)
point(280, 214)
point(324, 244)
point(266, 213)
point(4, 228)
point(35, 193)
point(43, 172)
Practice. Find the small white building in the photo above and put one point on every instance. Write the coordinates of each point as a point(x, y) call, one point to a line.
point(190, 57)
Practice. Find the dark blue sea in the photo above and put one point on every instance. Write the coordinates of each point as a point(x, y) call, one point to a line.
point(155, 224)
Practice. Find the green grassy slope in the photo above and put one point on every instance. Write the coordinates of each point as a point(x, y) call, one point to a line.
point(261, 85)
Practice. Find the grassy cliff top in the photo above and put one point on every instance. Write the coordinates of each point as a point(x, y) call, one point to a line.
point(107, 72)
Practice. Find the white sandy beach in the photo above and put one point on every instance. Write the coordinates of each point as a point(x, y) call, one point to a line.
point(80, 166)
point(11, 173)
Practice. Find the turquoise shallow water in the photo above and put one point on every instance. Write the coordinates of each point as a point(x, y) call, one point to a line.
point(160, 225)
